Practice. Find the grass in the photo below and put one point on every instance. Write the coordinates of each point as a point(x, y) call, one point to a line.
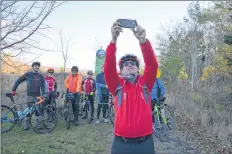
point(85, 138)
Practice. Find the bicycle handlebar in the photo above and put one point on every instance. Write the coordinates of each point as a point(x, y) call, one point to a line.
point(41, 100)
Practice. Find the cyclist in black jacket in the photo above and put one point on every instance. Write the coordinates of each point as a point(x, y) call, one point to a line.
point(35, 85)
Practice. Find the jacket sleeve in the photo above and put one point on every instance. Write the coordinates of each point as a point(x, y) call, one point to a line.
point(162, 89)
point(110, 70)
point(83, 85)
point(94, 85)
point(19, 80)
point(79, 84)
point(66, 82)
point(151, 64)
point(55, 86)
point(43, 88)
point(98, 84)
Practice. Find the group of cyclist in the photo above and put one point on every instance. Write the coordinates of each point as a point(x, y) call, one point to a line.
point(37, 84)
point(133, 94)
point(46, 86)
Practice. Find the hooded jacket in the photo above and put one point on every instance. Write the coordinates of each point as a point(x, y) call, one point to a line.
point(133, 113)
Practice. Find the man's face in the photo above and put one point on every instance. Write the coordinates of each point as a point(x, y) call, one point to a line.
point(74, 72)
point(50, 73)
point(129, 67)
point(89, 75)
point(36, 68)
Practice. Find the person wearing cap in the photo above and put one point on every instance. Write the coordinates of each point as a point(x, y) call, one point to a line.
point(89, 87)
point(51, 84)
point(73, 83)
point(35, 87)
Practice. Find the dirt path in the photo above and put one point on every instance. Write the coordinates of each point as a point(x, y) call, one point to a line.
point(174, 143)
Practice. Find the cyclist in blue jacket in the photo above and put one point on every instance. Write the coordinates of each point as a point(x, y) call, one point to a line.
point(158, 91)
point(102, 96)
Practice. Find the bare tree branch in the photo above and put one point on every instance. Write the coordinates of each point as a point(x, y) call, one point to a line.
point(18, 27)
point(20, 65)
point(64, 48)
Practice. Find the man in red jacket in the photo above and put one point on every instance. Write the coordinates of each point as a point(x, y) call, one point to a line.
point(133, 118)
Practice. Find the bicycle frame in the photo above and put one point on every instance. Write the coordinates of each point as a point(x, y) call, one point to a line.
point(158, 114)
point(22, 116)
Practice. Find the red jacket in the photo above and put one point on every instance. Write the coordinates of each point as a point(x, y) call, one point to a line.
point(133, 114)
point(88, 85)
point(51, 81)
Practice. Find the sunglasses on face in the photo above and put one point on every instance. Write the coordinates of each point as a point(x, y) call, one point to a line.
point(128, 62)
point(90, 74)
point(50, 72)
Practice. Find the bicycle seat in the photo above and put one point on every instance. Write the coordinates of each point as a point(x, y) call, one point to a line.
point(9, 95)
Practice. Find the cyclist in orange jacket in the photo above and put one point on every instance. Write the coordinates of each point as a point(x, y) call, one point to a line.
point(73, 84)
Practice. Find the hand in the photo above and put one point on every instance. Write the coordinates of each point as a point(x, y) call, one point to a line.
point(115, 31)
point(106, 86)
point(91, 93)
point(67, 90)
point(140, 34)
point(14, 93)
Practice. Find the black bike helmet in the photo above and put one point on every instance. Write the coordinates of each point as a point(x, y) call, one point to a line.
point(35, 63)
point(128, 57)
point(74, 68)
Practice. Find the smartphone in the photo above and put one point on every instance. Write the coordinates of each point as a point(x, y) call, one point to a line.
point(128, 23)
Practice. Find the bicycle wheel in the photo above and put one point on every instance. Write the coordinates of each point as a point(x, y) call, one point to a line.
point(157, 127)
point(90, 113)
point(45, 122)
point(169, 117)
point(53, 102)
point(68, 112)
point(8, 117)
point(111, 113)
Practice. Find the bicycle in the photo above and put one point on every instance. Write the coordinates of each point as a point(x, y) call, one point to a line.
point(86, 107)
point(110, 111)
point(52, 98)
point(14, 116)
point(69, 97)
point(162, 116)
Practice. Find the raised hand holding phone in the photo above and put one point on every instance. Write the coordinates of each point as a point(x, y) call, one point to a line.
point(116, 29)
point(140, 34)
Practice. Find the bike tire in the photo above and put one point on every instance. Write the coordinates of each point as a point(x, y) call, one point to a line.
point(91, 115)
point(111, 113)
point(55, 106)
point(157, 127)
point(13, 122)
point(69, 113)
point(170, 117)
point(43, 119)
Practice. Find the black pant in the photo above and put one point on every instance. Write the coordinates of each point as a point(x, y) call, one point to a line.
point(133, 146)
point(75, 106)
point(102, 107)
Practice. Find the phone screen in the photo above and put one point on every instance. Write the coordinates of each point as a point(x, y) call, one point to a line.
point(128, 23)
